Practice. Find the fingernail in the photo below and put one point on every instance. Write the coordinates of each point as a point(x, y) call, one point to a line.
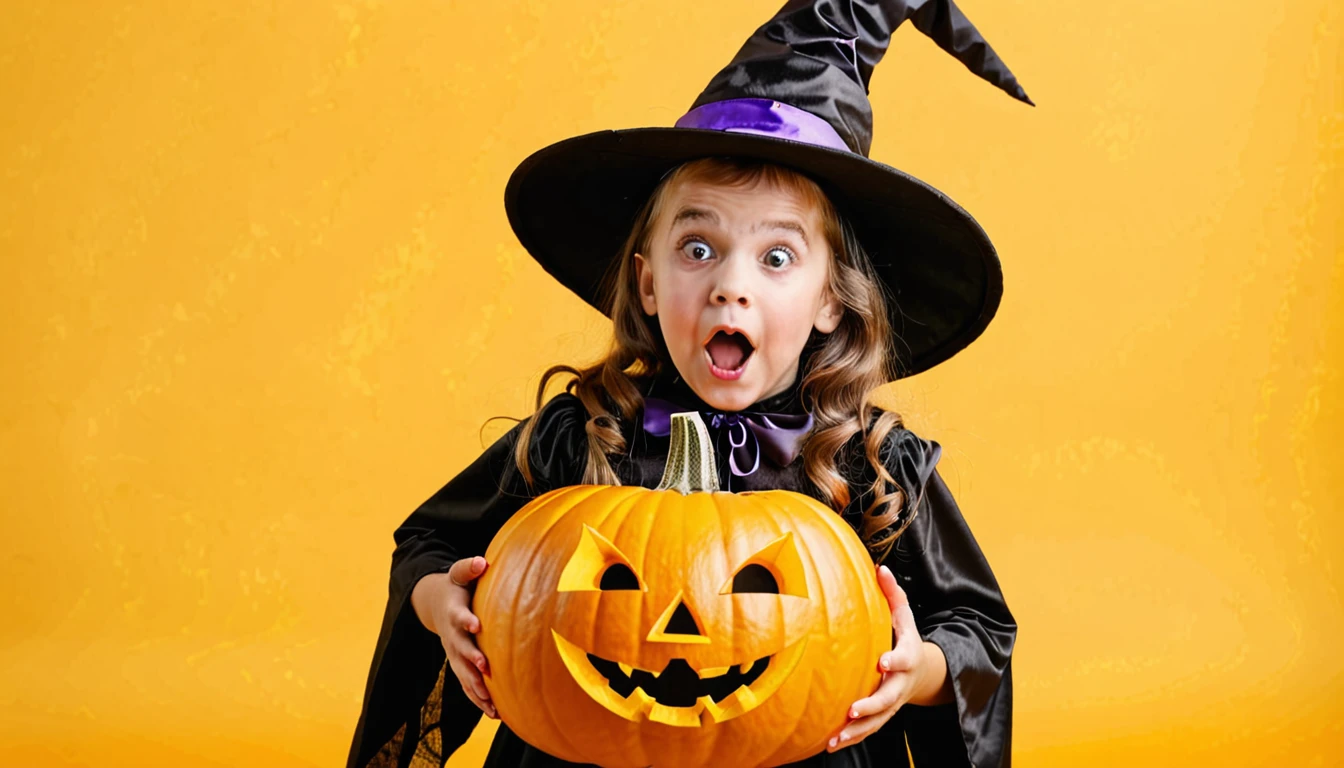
point(886, 569)
point(853, 713)
point(832, 741)
point(886, 664)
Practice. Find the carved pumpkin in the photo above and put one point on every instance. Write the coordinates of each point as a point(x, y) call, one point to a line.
point(680, 626)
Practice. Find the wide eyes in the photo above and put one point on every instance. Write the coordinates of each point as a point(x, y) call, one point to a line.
point(777, 257)
point(697, 250)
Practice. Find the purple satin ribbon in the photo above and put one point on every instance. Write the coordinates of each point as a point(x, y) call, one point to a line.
point(765, 117)
point(750, 434)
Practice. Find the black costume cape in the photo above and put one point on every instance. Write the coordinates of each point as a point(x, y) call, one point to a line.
point(416, 714)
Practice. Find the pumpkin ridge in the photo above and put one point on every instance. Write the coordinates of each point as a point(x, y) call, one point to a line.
point(551, 719)
point(821, 595)
point(656, 500)
point(550, 711)
point(781, 621)
point(781, 617)
point(628, 507)
point(722, 538)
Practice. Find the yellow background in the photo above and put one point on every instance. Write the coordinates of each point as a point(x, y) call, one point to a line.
point(259, 295)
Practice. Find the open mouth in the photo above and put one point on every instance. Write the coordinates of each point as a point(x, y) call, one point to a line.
point(679, 694)
point(678, 685)
point(728, 352)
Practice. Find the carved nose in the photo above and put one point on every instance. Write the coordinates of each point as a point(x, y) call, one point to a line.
point(682, 623)
point(677, 624)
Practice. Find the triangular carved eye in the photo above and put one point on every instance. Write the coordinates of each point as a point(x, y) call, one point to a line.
point(775, 569)
point(598, 565)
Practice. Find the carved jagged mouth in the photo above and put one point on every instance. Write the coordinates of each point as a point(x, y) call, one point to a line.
point(678, 685)
point(679, 694)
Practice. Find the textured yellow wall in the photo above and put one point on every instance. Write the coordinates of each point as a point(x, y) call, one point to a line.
point(258, 295)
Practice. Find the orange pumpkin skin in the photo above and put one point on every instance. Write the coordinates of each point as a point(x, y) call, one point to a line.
point(542, 612)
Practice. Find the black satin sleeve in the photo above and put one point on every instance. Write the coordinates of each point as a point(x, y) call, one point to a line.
point(958, 606)
point(414, 708)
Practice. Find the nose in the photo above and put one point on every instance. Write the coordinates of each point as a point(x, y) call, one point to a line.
point(681, 622)
point(677, 624)
point(733, 285)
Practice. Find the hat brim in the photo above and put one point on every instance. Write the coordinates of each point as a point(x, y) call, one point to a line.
point(572, 205)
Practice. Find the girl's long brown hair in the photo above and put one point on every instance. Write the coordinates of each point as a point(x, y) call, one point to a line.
point(851, 362)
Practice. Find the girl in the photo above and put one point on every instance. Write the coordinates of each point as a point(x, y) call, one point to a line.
point(755, 245)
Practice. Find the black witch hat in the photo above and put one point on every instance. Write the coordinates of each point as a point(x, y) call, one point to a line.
point(795, 95)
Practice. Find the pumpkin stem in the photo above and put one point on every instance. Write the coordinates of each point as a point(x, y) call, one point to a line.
point(690, 457)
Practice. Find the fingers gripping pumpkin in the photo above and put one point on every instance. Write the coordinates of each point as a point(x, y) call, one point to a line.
point(680, 626)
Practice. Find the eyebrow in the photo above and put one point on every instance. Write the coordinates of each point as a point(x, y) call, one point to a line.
point(700, 214)
point(694, 214)
point(791, 226)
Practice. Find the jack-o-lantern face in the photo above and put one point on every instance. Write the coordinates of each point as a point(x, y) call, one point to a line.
point(633, 627)
point(722, 683)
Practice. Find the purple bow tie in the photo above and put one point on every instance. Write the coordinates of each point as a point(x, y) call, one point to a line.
point(749, 433)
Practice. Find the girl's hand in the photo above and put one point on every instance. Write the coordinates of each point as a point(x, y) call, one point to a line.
point(442, 601)
point(905, 670)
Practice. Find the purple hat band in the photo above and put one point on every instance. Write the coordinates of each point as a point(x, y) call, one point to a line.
point(764, 117)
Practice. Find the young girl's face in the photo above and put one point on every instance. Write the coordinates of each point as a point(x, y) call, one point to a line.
point(737, 277)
